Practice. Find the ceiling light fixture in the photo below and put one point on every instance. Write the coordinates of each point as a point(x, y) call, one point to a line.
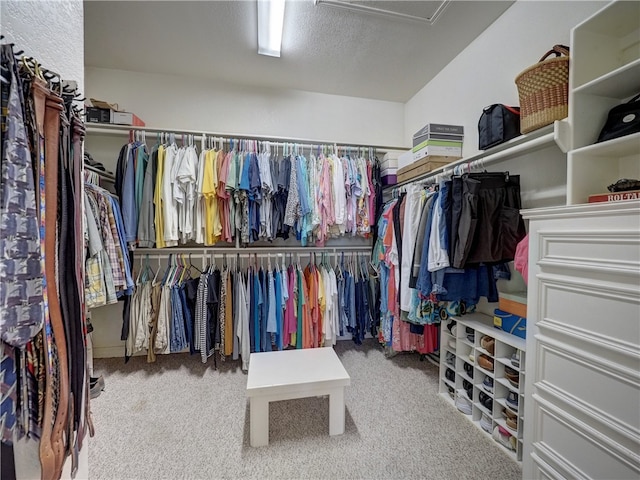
point(270, 24)
point(359, 7)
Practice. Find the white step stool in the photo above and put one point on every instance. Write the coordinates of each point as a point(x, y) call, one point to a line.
point(290, 374)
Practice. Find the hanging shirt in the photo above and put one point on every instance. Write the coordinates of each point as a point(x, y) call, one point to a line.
point(169, 204)
point(199, 214)
point(158, 200)
point(210, 200)
point(242, 331)
point(339, 193)
point(177, 190)
point(186, 177)
point(278, 308)
point(272, 325)
point(129, 208)
point(224, 197)
point(146, 229)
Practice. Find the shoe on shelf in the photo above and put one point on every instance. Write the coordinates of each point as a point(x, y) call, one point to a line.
point(488, 343)
point(472, 358)
point(487, 384)
point(504, 438)
point(463, 404)
point(485, 423)
point(515, 359)
point(512, 423)
point(512, 401)
point(452, 392)
point(468, 369)
point(454, 330)
point(468, 388)
point(507, 413)
point(470, 334)
point(96, 386)
point(450, 326)
point(452, 344)
point(486, 401)
point(485, 362)
point(450, 375)
point(513, 376)
point(450, 359)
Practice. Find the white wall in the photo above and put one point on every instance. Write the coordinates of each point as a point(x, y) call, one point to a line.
point(52, 33)
point(484, 73)
point(182, 102)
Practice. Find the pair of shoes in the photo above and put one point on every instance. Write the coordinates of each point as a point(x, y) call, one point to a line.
point(450, 375)
point(468, 369)
point(503, 437)
point(513, 376)
point(463, 404)
point(96, 386)
point(485, 423)
point(450, 326)
point(515, 359)
point(488, 343)
point(468, 388)
point(452, 392)
point(470, 334)
point(508, 413)
point(487, 384)
point(485, 362)
point(450, 359)
point(512, 423)
point(486, 401)
point(512, 401)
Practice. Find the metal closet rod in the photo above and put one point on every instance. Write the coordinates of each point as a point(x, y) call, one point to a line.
point(279, 141)
point(249, 250)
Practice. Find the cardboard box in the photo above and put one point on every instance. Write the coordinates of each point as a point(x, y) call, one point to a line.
point(437, 151)
point(510, 323)
point(422, 166)
point(389, 179)
point(405, 159)
point(438, 131)
point(514, 303)
point(98, 115)
point(437, 148)
point(389, 163)
point(127, 118)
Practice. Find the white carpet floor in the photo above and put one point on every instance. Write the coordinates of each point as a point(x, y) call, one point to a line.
point(178, 418)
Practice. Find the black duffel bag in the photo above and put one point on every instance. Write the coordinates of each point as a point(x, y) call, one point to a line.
point(498, 123)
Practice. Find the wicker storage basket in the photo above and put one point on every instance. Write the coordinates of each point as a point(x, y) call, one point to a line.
point(543, 90)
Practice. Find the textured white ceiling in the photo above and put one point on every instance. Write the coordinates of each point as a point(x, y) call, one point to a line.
point(324, 49)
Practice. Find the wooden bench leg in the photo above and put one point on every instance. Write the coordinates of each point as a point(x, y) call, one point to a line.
point(336, 411)
point(259, 422)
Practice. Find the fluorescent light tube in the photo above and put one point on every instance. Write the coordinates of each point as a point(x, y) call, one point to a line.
point(270, 23)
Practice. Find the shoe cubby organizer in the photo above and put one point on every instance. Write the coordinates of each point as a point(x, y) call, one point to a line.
point(482, 376)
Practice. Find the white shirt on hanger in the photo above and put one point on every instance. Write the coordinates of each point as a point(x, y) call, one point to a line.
point(198, 224)
point(168, 201)
point(412, 211)
point(339, 192)
point(186, 177)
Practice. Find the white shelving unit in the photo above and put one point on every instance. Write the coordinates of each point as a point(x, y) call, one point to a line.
point(584, 265)
point(604, 72)
point(466, 354)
